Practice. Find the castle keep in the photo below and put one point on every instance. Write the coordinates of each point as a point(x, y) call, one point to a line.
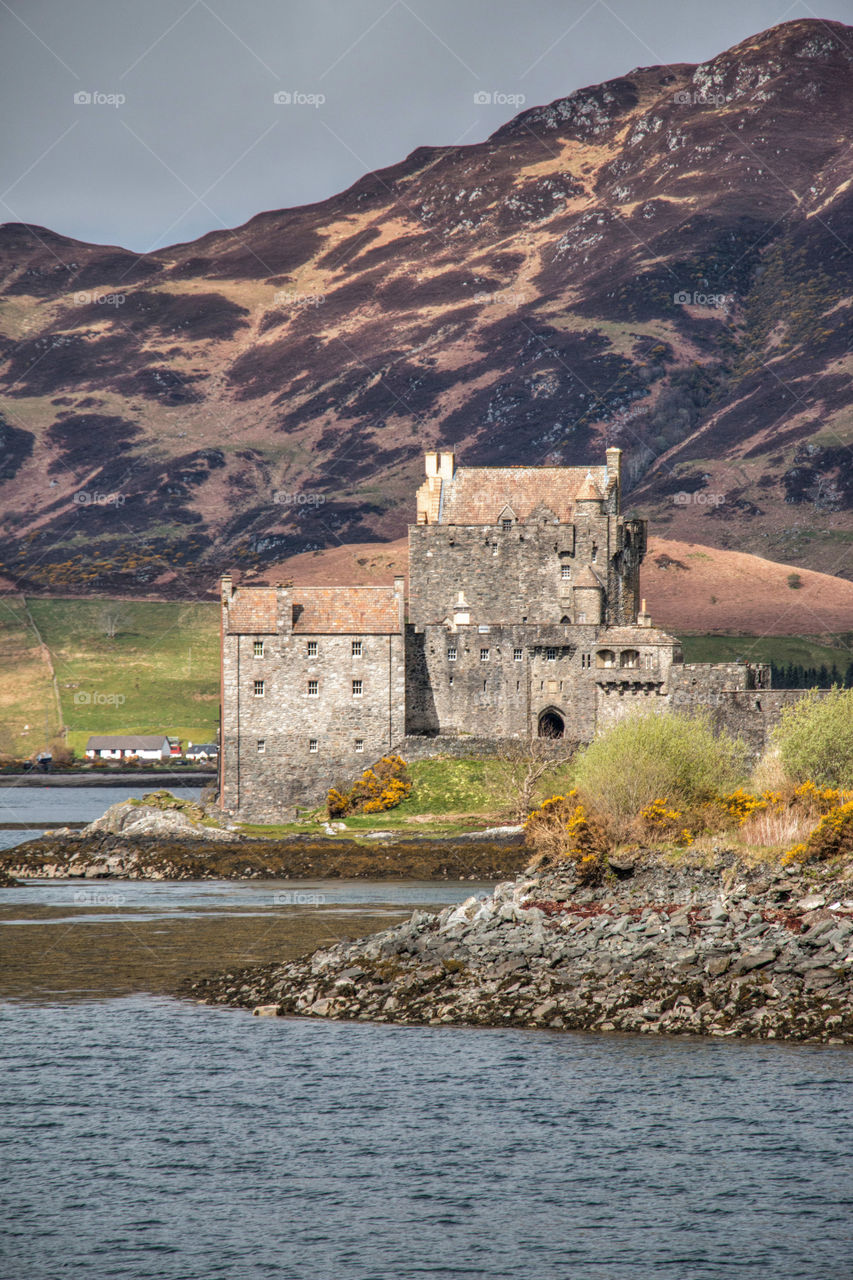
point(524, 620)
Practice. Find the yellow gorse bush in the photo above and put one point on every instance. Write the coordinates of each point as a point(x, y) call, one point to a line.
point(563, 827)
point(382, 787)
point(832, 837)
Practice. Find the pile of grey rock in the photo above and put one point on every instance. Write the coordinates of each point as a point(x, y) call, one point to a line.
point(664, 952)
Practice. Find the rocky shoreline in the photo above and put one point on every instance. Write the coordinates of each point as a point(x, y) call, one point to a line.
point(109, 857)
point(762, 954)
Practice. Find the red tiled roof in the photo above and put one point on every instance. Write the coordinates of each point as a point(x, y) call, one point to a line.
point(478, 495)
point(253, 611)
point(346, 611)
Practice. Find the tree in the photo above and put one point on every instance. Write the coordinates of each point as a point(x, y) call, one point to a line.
point(523, 763)
point(657, 756)
point(112, 620)
point(814, 738)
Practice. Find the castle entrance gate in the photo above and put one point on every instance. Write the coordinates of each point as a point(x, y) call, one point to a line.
point(551, 724)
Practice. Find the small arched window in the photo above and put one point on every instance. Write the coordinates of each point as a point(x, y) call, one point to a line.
point(605, 658)
point(629, 658)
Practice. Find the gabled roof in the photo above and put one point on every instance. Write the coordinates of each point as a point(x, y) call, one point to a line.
point(128, 742)
point(589, 490)
point(346, 611)
point(479, 495)
point(636, 636)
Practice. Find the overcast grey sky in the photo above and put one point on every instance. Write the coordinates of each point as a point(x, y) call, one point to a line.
point(183, 133)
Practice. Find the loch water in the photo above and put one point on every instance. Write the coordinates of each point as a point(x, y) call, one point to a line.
point(146, 1137)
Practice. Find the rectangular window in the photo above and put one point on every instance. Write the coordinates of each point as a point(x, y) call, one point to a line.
point(262, 746)
point(581, 617)
point(550, 655)
point(312, 648)
point(359, 744)
point(565, 572)
point(356, 648)
point(451, 679)
point(357, 688)
point(259, 688)
point(313, 745)
point(506, 525)
point(451, 653)
point(517, 655)
point(484, 655)
point(313, 688)
point(258, 649)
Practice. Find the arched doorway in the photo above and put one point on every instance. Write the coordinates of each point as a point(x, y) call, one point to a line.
point(551, 724)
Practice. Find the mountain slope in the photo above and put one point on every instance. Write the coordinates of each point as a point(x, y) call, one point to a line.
point(659, 262)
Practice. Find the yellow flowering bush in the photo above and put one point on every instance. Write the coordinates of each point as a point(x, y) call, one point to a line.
point(831, 838)
point(382, 787)
point(563, 828)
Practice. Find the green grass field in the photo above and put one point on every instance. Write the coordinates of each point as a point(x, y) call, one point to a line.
point(159, 673)
point(779, 649)
point(29, 717)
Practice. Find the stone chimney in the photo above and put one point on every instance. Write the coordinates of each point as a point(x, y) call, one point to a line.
point(614, 466)
point(461, 612)
point(226, 587)
point(644, 619)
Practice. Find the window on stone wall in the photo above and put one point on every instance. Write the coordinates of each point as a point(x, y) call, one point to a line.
point(594, 555)
point(312, 648)
point(359, 744)
point(258, 649)
point(451, 653)
point(586, 660)
point(262, 746)
point(565, 572)
point(356, 648)
point(506, 525)
point(313, 688)
point(313, 745)
point(484, 655)
point(605, 658)
point(451, 680)
point(551, 655)
point(258, 688)
point(357, 688)
point(629, 658)
point(581, 617)
point(517, 655)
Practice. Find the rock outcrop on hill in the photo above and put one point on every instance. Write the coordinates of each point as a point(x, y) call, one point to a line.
point(661, 951)
point(660, 262)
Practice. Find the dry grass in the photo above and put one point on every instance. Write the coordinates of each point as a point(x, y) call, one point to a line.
point(776, 829)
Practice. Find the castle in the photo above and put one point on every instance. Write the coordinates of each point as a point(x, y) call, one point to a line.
point(523, 620)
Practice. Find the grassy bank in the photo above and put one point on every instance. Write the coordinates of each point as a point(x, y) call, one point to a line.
point(132, 667)
point(782, 650)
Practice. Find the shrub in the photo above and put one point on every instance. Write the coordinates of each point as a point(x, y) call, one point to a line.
point(562, 828)
point(379, 788)
point(831, 838)
point(814, 738)
point(647, 756)
point(658, 819)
